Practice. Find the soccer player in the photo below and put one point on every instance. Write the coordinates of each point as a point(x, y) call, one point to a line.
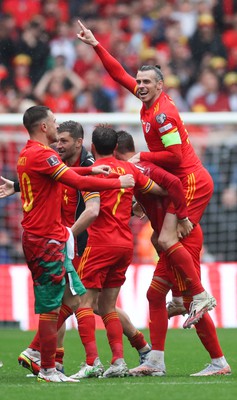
point(164, 279)
point(47, 243)
point(169, 147)
point(107, 255)
point(70, 147)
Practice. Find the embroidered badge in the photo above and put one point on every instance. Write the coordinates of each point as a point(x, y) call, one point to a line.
point(161, 118)
point(148, 126)
point(53, 160)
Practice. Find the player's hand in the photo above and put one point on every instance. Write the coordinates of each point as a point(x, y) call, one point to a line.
point(86, 36)
point(184, 228)
point(101, 169)
point(137, 210)
point(127, 181)
point(7, 189)
point(135, 159)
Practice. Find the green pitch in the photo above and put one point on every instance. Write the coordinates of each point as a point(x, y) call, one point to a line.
point(184, 355)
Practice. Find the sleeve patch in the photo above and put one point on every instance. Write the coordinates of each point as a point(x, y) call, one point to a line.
point(165, 128)
point(161, 118)
point(53, 160)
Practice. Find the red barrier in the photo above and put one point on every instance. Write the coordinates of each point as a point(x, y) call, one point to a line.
point(220, 279)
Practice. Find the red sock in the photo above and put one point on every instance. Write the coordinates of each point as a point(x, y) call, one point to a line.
point(48, 338)
point(64, 313)
point(59, 355)
point(86, 328)
point(206, 331)
point(35, 344)
point(158, 324)
point(182, 263)
point(138, 340)
point(115, 334)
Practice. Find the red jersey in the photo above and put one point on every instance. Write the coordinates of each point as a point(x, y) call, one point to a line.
point(39, 172)
point(111, 227)
point(41, 195)
point(162, 126)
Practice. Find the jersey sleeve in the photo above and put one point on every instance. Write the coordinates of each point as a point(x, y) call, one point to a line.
point(49, 163)
point(115, 69)
point(142, 182)
point(164, 158)
point(82, 170)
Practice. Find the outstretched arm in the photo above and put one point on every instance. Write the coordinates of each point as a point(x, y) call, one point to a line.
point(114, 68)
point(7, 189)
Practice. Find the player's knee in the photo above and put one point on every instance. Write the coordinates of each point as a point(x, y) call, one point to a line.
point(155, 295)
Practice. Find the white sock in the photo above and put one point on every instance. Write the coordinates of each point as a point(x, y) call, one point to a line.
point(221, 361)
point(156, 356)
point(144, 349)
point(199, 296)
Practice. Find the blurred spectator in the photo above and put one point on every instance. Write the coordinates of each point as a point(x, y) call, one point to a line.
point(206, 41)
point(223, 12)
point(181, 63)
point(58, 89)
point(85, 59)
point(63, 45)
point(55, 12)
point(7, 41)
point(137, 38)
point(94, 96)
point(149, 10)
point(229, 37)
point(21, 10)
point(230, 82)
point(22, 80)
point(5, 246)
point(173, 89)
point(213, 98)
point(186, 14)
point(34, 43)
point(219, 65)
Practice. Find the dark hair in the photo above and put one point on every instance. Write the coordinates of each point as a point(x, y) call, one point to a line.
point(155, 68)
point(125, 142)
point(104, 139)
point(33, 116)
point(74, 128)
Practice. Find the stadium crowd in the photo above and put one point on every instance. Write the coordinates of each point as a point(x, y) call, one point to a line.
point(41, 59)
point(42, 62)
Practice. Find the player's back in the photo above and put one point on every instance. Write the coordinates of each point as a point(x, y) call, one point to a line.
point(111, 227)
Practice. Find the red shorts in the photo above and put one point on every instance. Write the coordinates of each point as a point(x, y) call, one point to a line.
point(198, 188)
point(104, 267)
point(76, 261)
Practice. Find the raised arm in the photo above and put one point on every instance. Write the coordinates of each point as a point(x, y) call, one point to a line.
point(114, 68)
point(7, 189)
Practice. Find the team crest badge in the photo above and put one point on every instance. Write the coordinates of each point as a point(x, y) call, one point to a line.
point(161, 118)
point(148, 126)
point(53, 160)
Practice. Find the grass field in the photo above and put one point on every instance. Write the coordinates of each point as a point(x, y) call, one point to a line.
point(184, 355)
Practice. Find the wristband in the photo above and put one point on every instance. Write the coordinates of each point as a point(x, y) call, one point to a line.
point(16, 186)
point(183, 219)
